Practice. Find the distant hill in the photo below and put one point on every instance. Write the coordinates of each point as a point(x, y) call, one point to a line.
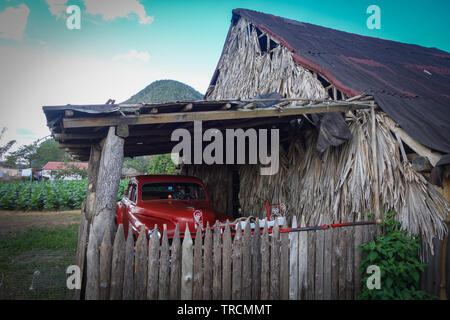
point(163, 91)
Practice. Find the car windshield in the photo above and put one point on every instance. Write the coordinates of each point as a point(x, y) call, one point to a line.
point(172, 191)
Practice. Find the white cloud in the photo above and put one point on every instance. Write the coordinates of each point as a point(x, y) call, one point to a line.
point(35, 77)
point(111, 9)
point(132, 55)
point(13, 22)
point(57, 7)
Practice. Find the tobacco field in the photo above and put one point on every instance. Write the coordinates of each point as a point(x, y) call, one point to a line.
point(46, 195)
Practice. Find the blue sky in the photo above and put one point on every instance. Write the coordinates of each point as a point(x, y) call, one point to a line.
point(124, 45)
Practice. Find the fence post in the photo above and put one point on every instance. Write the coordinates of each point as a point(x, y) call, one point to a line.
point(207, 264)
point(217, 285)
point(318, 280)
point(302, 261)
point(105, 264)
point(284, 264)
point(93, 265)
point(226, 272)
point(293, 262)
point(186, 266)
point(311, 263)
point(118, 264)
point(265, 264)
point(128, 275)
point(197, 293)
point(140, 275)
point(275, 263)
point(175, 271)
point(247, 262)
point(236, 257)
point(256, 262)
point(349, 246)
point(153, 268)
point(327, 263)
point(164, 268)
point(341, 264)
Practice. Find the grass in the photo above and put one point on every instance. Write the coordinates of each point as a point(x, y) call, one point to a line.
point(33, 262)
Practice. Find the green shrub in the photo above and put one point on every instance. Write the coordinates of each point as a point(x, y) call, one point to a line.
point(397, 255)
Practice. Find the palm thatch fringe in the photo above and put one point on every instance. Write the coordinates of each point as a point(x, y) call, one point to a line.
point(247, 71)
point(340, 188)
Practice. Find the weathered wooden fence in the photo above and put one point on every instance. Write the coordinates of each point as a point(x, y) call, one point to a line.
point(222, 265)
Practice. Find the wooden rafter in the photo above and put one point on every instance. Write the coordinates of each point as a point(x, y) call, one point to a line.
point(210, 115)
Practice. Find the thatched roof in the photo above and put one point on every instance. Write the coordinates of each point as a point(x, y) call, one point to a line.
point(409, 82)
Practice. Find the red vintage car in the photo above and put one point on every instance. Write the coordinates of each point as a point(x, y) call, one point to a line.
point(166, 199)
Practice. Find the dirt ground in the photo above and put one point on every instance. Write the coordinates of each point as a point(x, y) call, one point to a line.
point(17, 220)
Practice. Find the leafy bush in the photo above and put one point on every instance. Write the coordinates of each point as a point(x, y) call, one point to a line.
point(47, 195)
point(397, 255)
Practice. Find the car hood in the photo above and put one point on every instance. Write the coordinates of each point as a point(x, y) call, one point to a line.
point(177, 209)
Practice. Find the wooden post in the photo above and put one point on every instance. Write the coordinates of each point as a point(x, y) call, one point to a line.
point(284, 265)
point(153, 267)
point(357, 257)
point(207, 264)
point(247, 263)
point(197, 293)
point(293, 262)
point(140, 266)
point(376, 186)
point(86, 214)
point(108, 183)
point(105, 265)
point(226, 258)
point(217, 280)
point(118, 265)
point(265, 264)
point(236, 289)
point(256, 262)
point(164, 268)
point(186, 266)
point(303, 261)
point(93, 268)
point(318, 282)
point(311, 277)
point(175, 270)
point(128, 275)
point(275, 263)
point(327, 263)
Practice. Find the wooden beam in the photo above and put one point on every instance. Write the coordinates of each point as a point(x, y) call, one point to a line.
point(376, 186)
point(122, 131)
point(420, 149)
point(78, 136)
point(209, 115)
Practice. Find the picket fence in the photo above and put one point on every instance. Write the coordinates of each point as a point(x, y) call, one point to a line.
point(227, 264)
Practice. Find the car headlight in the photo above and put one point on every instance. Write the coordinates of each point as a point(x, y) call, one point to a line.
point(150, 232)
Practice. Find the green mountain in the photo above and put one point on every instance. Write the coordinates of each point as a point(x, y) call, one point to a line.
point(163, 91)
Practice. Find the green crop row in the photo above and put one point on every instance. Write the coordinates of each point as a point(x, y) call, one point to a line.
point(47, 195)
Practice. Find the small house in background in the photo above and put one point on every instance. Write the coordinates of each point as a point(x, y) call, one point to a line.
point(50, 170)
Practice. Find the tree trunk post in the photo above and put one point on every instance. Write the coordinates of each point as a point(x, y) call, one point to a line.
point(107, 183)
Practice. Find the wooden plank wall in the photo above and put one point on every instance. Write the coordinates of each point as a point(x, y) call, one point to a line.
point(223, 265)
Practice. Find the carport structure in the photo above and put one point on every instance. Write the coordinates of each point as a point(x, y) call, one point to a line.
point(105, 134)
